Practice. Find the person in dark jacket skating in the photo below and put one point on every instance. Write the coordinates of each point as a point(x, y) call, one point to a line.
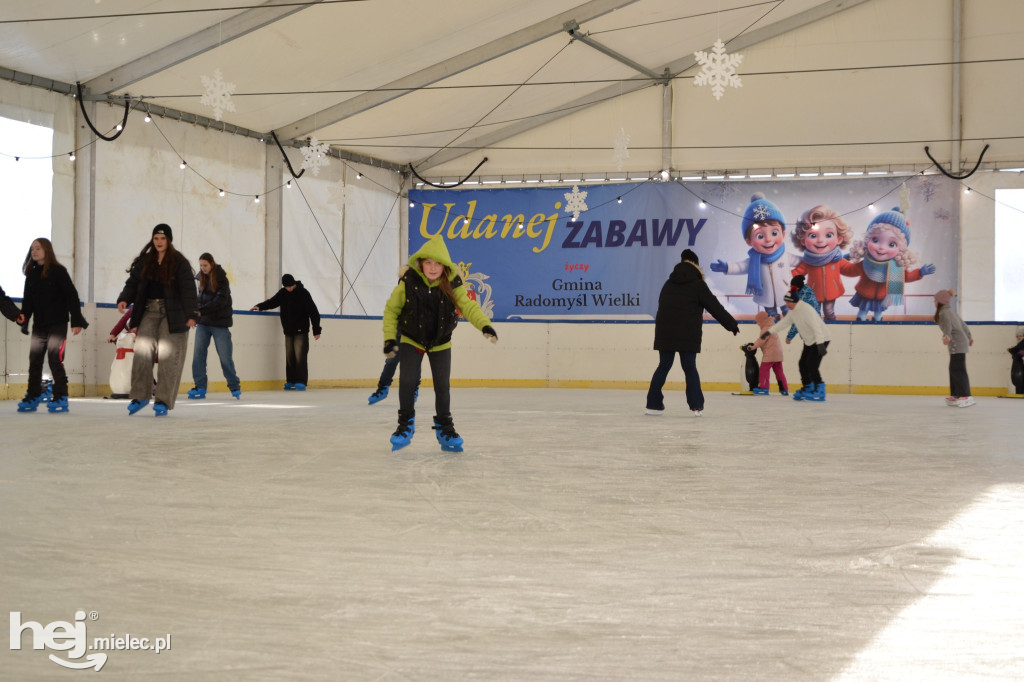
point(679, 327)
point(161, 288)
point(10, 309)
point(215, 319)
point(52, 300)
point(298, 313)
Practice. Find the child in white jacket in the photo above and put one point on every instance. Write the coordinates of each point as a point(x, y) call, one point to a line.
point(814, 332)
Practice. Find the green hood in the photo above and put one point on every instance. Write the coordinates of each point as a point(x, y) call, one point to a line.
point(436, 249)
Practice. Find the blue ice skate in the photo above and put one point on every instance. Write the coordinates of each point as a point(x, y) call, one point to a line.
point(403, 434)
point(197, 393)
point(378, 395)
point(760, 391)
point(58, 404)
point(289, 386)
point(444, 429)
point(46, 394)
point(136, 405)
point(236, 393)
point(160, 409)
point(28, 404)
point(298, 387)
point(818, 395)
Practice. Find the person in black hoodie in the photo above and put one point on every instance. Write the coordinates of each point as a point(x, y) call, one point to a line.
point(161, 288)
point(678, 328)
point(298, 312)
point(215, 317)
point(51, 297)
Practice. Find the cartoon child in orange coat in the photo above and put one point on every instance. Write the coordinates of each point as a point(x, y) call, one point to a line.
point(822, 235)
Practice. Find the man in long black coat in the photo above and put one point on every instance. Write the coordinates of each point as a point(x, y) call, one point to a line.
point(679, 327)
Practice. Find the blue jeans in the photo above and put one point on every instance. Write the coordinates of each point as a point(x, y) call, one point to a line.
point(694, 396)
point(222, 340)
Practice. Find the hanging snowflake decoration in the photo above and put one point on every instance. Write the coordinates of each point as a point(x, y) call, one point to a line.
point(217, 94)
point(718, 69)
point(315, 156)
point(341, 196)
point(575, 202)
point(621, 149)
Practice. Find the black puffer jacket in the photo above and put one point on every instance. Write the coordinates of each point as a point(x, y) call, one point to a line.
point(679, 326)
point(297, 310)
point(215, 306)
point(52, 299)
point(179, 296)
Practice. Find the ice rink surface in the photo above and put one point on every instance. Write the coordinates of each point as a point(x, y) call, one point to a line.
point(279, 538)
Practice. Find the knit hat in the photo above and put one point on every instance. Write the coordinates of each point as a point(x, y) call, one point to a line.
point(165, 230)
point(896, 219)
point(791, 297)
point(287, 280)
point(689, 255)
point(763, 319)
point(944, 296)
point(797, 282)
point(759, 210)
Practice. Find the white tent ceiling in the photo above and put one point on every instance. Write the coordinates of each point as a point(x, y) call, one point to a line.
point(442, 84)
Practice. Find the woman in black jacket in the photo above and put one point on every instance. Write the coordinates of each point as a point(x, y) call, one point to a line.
point(161, 288)
point(679, 327)
point(215, 317)
point(51, 298)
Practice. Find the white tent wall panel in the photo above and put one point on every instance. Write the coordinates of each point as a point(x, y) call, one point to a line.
point(139, 184)
point(372, 246)
point(44, 108)
point(992, 98)
point(311, 232)
point(314, 244)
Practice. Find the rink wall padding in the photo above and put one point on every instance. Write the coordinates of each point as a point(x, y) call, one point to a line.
point(892, 358)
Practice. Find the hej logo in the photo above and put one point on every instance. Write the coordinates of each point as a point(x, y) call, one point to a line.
point(59, 636)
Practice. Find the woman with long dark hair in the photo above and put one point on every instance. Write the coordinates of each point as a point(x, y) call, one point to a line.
point(161, 288)
point(215, 317)
point(52, 300)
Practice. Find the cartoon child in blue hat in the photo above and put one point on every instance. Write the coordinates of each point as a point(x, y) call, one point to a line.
point(882, 260)
point(767, 267)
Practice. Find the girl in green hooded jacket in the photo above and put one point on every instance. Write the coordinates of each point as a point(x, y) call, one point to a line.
point(425, 307)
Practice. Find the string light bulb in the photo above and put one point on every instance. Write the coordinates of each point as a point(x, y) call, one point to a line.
point(288, 185)
point(182, 164)
point(664, 174)
point(222, 193)
point(412, 204)
point(257, 199)
point(119, 127)
point(702, 204)
point(967, 190)
point(359, 176)
point(618, 199)
point(71, 156)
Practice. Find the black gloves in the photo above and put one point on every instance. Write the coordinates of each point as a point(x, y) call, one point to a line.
point(490, 334)
point(391, 348)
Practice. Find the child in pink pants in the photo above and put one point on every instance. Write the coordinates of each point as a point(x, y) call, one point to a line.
point(771, 357)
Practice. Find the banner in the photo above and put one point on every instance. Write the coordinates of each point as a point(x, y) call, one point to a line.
point(604, 251)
